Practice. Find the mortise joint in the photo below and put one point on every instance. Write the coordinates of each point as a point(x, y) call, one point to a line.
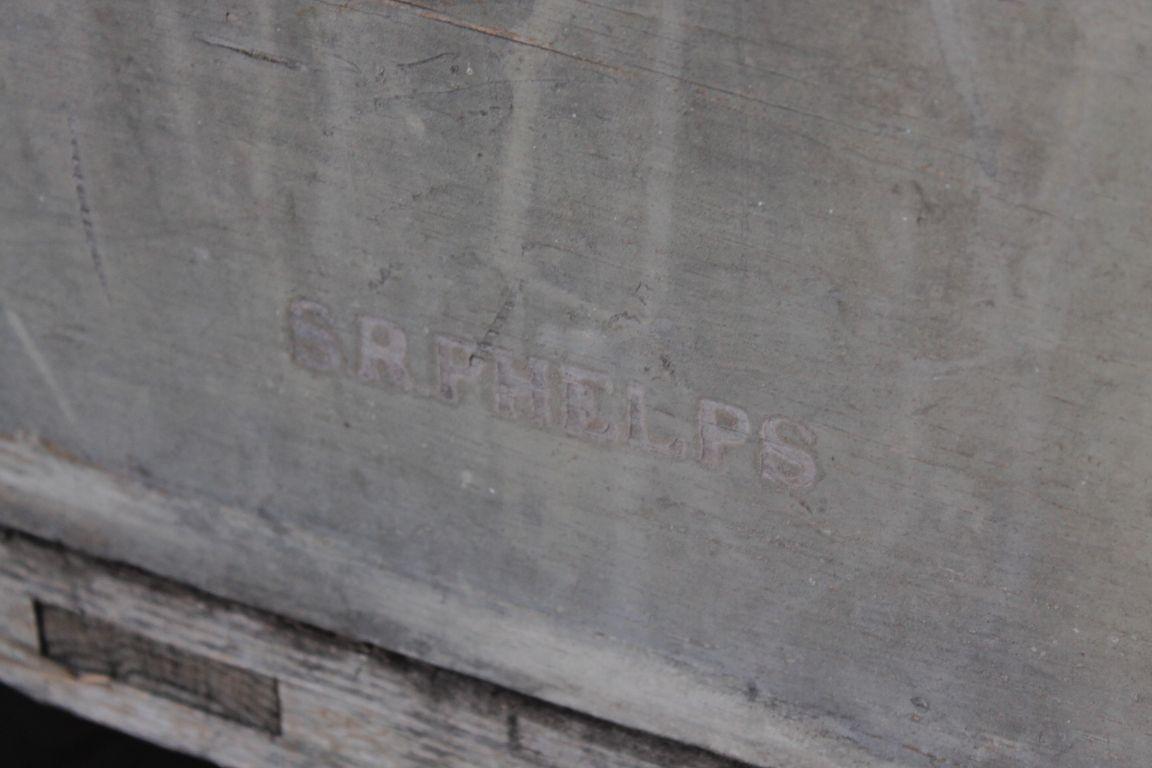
point(87, 646)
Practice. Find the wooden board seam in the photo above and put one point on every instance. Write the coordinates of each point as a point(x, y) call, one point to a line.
point(453, 690)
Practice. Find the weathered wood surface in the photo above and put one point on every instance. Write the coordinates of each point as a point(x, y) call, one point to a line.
point(342, 704)
point(87, 646)
point(772, 376)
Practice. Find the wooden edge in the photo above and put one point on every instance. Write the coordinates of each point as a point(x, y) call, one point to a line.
point(341, 703)
point(58, 497)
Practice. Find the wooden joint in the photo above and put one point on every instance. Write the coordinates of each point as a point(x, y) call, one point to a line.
point(87, 646)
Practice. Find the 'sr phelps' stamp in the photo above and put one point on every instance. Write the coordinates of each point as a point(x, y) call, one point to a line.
point(585, 404)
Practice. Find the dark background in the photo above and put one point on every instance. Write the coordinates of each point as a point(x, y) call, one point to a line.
point(35, 736)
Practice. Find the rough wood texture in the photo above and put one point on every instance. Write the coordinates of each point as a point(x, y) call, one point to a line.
point(773, 376)
point(343, 704)
point(88, 646)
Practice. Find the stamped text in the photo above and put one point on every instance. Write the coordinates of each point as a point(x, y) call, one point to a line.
point(585, 404)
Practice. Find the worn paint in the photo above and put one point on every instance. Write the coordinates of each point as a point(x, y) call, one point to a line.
point(856, 290)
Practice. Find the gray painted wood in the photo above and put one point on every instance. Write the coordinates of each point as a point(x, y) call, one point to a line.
point(771, 376)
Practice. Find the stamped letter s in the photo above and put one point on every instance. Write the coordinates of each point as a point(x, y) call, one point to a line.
point(786, 453)
point(313, 339)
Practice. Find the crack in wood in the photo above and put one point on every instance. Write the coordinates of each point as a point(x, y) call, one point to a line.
point(85, 208)
point(252, 53)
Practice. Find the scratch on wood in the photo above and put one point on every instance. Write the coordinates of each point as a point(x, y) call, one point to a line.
point(430, 13)
point(252, 53)
point(85, 209)
point(427, 12)
point(497, 324)
point(429, 60)
point(41, 362)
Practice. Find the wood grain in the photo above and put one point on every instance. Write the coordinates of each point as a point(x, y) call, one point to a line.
point(187, 670)
point(772, 376)
point(87, 646)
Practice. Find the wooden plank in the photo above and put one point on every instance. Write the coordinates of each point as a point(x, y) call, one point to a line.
point(342, 703)
point(771, 376)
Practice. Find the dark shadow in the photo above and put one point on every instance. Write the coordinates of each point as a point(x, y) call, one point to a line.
point(33, 735)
